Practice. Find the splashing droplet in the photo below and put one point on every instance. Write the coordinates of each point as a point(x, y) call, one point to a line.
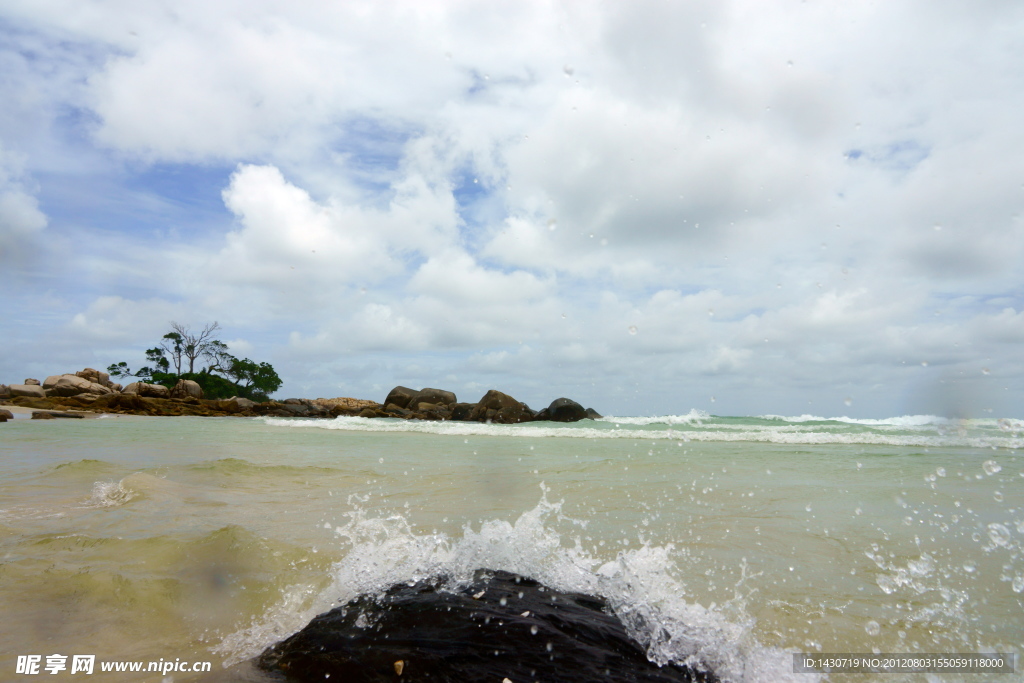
point(999, 534)
point(991, 467)
point(632, 329)
point(872, 628)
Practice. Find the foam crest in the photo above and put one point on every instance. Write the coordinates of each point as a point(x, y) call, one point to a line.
point(108, 494)
point(693, 417)
point(710, 431)
point(383, 551)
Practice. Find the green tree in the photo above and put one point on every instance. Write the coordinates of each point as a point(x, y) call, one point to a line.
point(224, 376)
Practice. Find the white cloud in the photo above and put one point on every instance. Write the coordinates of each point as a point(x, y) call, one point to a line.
point(714, 175)
point(20, 217)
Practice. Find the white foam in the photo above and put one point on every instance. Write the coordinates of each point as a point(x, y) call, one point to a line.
point(784, 433)
point(638, 584)
point(107, 494)
point(693, 417)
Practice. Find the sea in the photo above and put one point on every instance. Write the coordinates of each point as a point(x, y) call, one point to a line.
point(733, 541)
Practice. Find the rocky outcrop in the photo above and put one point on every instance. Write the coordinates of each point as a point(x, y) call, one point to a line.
point(563, 410)
point(399, 397)
point(500, 408)
point(27, 390)
point(236, 404)
point(97, 376)
point(31, 382)
point(71, 385)
point(5, 391)
point(147, 390)
point(502, 626)
point(186, 388)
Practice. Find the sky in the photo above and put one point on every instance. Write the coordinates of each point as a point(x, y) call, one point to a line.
point(650, 207)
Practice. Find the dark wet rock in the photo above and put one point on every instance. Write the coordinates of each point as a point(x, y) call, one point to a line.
point(501, 408)
point(563, 410)
point(593, 414)
point(6, 415)
point(400, 396)
point(435, 396)
point(502, 626)
point(461, 411)
point(53, 414)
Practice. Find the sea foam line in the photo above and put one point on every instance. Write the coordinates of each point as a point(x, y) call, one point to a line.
point(760, 434)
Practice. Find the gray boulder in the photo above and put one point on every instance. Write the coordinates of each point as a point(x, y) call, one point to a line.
point(235, 404)
point(97, 376)
point(72, 385)
point(186, 388)
point(147, 390)
point(28, 390)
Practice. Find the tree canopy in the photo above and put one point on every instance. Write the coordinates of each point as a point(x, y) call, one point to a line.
point(224, 375)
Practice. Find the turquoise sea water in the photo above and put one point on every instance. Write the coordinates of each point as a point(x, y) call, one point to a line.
point(736, 540)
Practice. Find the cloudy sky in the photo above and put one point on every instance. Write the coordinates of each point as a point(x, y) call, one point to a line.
point(741, 207)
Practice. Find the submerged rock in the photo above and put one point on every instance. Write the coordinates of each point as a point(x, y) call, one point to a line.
point(502, 626)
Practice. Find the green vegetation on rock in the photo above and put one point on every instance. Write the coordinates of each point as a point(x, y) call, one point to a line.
point(224, 376)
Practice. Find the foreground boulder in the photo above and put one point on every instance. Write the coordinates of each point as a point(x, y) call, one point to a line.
point(502, 626)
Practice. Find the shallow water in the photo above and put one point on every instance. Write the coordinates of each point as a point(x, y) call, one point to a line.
point(739, 540)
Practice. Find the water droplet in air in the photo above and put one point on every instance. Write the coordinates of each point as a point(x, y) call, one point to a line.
point(985, 371)
point(872, 628)
point(712, 399)
point(533, 629)
point(789, 62)
point(552, 224)
point(999, 534)
point(941, 471)
point(969, 567)
point(568, 70)
point(991, 467)
point(1018, 584)
point(998, 495)
point(632, 329)
point(848, 401)
point(503, 601)
point(937, 227)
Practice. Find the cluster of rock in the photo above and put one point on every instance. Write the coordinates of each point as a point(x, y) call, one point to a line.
point(494, 406)
point(91, 384)
point(92, 391)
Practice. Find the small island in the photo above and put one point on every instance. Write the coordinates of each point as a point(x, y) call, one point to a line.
point(89, 392)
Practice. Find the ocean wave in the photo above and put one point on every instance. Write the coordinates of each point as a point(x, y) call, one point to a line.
point(693, 417)
point(638, 584)
point(955, 436)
